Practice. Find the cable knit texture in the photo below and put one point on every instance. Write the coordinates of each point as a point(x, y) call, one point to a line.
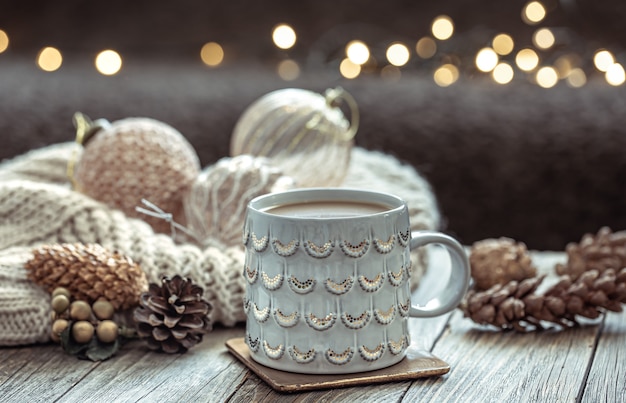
point(38, 206)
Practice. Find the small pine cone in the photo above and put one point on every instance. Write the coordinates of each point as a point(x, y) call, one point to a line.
point(501, 305)
point(605, 250)
point(499, 261)
point(174, 317)
point(89, 272)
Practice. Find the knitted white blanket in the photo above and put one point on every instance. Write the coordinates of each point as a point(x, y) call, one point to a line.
point(38, 206)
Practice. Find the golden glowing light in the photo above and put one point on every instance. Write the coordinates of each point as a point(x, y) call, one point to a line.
point(576, 78)
point(390, 73)
point(398, 54)
point(4, 41)
point(603, 59)
point(446, 75)
point(503, 44)
point(348, 69)
point(543, 38)
point(212, 54)
point(533, 12)
point(547, 77)
point(284, 36)
point(442, 27)
point(288, 70)
point(615, 74)
point(486, 59)
point(357, 52)
point(563, 66)
point(503, 73)
point(527, 59)
point(49, 59)
point(426, 47)
point(108, 62)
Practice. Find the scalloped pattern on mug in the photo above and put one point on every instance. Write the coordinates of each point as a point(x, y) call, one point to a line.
point(321, 323)
point(275, 353)
point(371, 285)
point(396, 278)
point(339, 358)
point(301, 357)
point(356, 322)
point(404, 237)
point(372, 354)
point(259, 244)
point(339, 288)
point(385, 317)
point(246, 305)
point(289, 320)
point(252, 344)
point(301, 287)
point(285, 250)
point(251, 274)
point(260, 315)
point(385, 246)
point(272, 283)
point(396, 347)
point(317, 251)
point(355, 251)
point(404, 308)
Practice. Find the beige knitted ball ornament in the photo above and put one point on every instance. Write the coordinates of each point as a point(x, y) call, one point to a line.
point(303, 133)
point(216, 204)
point(134, 159)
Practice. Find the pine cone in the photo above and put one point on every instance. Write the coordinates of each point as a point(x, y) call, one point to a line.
point(517, 306)
point(605, 250)
point(174, 317)
point(89, 272)
point(498, 261)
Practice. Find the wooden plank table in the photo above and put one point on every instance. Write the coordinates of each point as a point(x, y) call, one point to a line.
point(583, 364)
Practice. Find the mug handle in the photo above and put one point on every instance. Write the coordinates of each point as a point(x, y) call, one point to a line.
point(458, 281)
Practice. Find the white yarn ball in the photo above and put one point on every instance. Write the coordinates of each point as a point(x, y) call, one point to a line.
point(216, 204)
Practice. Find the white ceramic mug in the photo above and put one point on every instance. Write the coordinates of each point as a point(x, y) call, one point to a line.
point(327, 272)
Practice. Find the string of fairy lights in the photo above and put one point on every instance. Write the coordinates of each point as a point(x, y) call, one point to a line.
point(500, 59)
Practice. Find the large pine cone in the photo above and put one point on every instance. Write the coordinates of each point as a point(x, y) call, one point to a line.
point(498, 261)
point(174, 317)
point(89, 272)
point(605, 250)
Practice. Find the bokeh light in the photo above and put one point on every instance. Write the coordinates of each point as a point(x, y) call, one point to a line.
point(543, 38)
point(108, 62)
point(615, 74)
point(547, 77)
point(212, 54)
point(603, 59)
point(398, 54)
point(533, 12)
point(503, 44)
point(442, 27)
point(4, 41)
point(391, 73)
point(284, 36)
point(288, 70)
point(426, 47)
point(527, 59)
point(446, 75)
point(49, 59)
point(503, 73)
point(486, 59)
point(357, 52)
point(348, 69)
point(576, 78)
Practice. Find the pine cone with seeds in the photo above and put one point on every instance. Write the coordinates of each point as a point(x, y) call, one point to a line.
point(89, 272)
point(498, 261)
point(517, 306)
point(605, 250)
point(173, 317)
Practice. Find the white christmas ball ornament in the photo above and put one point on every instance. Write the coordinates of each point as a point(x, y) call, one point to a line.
point(303, 133)
point(216, 203)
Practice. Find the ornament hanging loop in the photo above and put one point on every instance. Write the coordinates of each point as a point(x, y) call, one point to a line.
point(334, 97)
point(85, 129)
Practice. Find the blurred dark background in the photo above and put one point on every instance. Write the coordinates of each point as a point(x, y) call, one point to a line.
point(541, 165)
